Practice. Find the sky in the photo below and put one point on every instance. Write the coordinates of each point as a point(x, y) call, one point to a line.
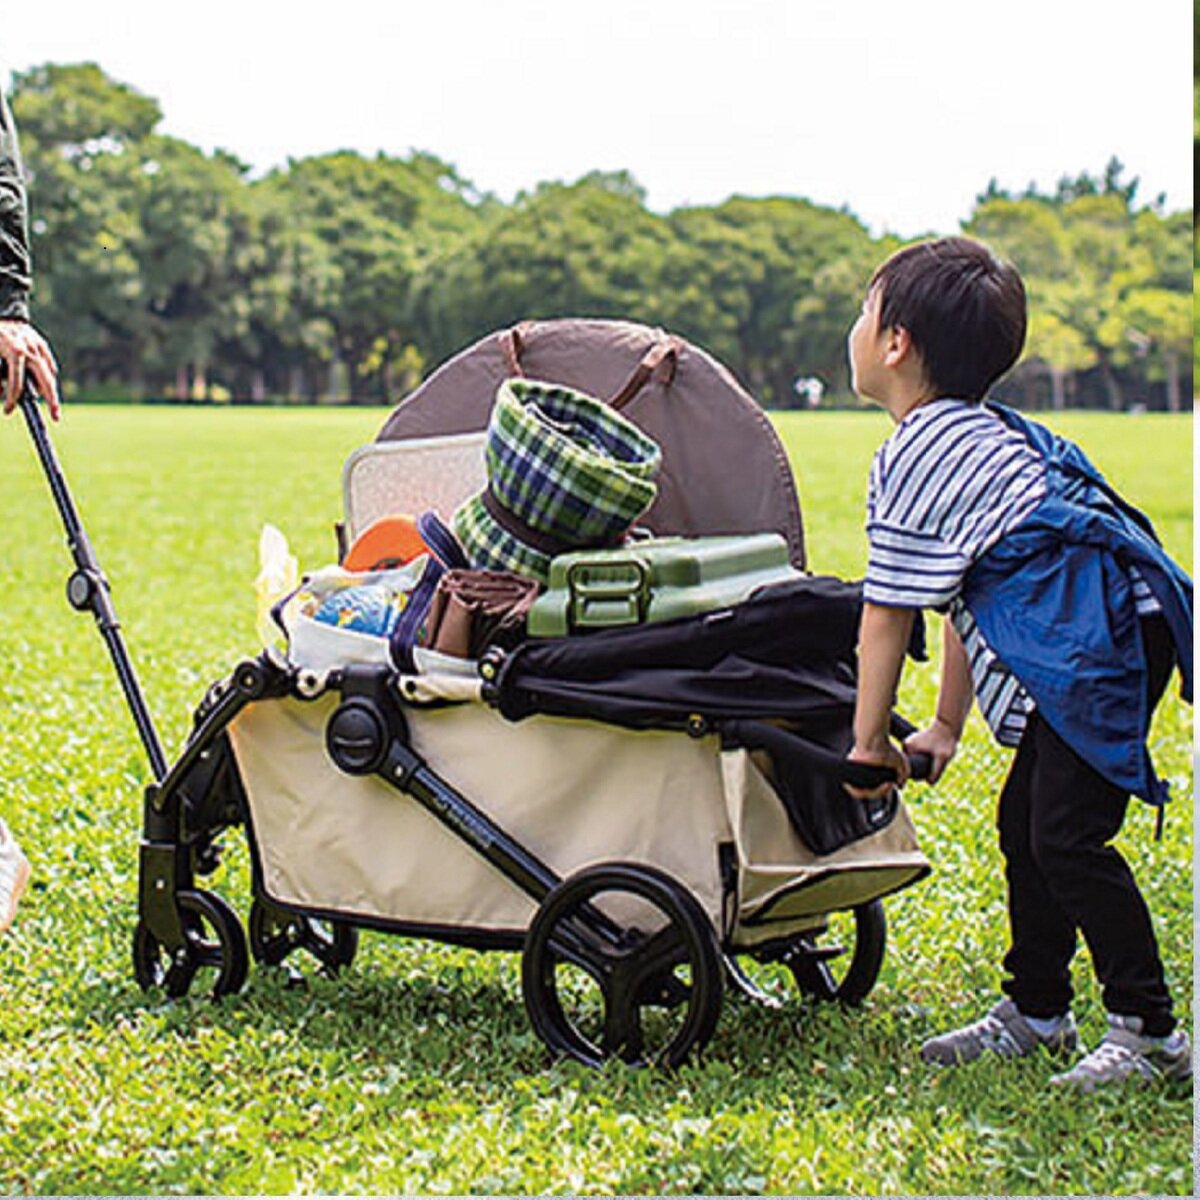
point(901, 111)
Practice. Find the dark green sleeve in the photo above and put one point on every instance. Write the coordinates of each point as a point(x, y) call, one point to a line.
point(15, 266)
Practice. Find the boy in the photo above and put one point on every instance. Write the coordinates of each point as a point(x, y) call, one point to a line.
point(22, 349)
point(1065, 619)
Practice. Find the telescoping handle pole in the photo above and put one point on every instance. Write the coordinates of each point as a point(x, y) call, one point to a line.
point(87, 588)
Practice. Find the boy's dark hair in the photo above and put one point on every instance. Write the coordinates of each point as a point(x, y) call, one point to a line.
point(963, 308)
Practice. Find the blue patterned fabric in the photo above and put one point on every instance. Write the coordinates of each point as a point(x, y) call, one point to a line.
point(1053, 599)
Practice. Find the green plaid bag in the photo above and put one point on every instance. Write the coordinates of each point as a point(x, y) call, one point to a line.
point(565, 471)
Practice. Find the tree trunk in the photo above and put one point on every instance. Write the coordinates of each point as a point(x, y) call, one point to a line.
point(1174, 399)
point(258, 386)
point(1058, 389)
point(782, 393)
point(1116, 400)
point(335, 363)
point(181, 383)
point(297, 386)
point(1030, 388)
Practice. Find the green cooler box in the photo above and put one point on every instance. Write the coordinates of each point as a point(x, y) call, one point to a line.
point(655, 580)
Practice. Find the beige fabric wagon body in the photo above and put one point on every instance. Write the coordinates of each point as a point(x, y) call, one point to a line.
point(571, 792)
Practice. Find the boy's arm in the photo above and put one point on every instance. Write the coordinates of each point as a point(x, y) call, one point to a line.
point(940, 739)
point(882, 643)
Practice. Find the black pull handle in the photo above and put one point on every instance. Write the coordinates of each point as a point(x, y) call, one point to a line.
point(88, 589)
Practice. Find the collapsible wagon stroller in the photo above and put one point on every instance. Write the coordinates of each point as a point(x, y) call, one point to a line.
point(642, 813)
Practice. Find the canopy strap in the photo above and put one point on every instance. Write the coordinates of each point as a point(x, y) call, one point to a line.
point(512, 345)
point(662, 358)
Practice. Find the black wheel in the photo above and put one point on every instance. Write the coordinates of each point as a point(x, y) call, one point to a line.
point(275, 934)
point(621, 960)
point(842, 961)
point(213, 950)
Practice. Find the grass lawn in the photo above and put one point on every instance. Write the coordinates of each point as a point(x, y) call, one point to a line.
point(417, 1071)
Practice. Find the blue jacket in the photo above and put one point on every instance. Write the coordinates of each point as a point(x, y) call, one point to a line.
point(1054, 601)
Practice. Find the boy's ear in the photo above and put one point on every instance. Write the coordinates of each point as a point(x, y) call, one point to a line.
point(897, 345)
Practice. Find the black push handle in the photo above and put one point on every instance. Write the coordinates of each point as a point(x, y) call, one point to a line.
point(762, 736)
point(920, 765)
point(87, 589)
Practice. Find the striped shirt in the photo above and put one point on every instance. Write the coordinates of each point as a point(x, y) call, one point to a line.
point(943, 489)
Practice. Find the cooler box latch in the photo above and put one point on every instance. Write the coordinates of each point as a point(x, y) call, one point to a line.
point(601, 594)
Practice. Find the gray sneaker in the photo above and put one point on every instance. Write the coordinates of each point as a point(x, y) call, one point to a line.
point(1125, 1053)
point(1004, 1031)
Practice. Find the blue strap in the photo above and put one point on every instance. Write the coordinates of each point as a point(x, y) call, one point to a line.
point(441, 541)
point(408, 627)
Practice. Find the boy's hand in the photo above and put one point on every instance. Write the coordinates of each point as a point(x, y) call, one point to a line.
point(939, 741)
point(883, 755)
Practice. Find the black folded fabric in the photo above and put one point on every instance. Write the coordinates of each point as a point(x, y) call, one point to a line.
point(787, 651)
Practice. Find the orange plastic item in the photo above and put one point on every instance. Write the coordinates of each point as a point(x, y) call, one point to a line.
point(387, 542)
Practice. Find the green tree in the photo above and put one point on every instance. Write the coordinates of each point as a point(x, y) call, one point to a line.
point(379, 222)
point(1159, 322)
point(196, 237)
point(740, 273)
point(1060, 347)
point(81, 134)
point(1107, 283)
point(584, 249)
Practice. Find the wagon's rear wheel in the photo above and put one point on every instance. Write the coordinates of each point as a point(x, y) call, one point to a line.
point(213, 952)
point(275, 934)
point(621, 961)
point(839, 962)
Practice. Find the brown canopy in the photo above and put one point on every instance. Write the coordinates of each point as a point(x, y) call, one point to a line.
point(724, 468)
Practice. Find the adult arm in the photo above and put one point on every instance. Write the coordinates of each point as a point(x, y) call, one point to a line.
point(22, 347)
point(15, 267)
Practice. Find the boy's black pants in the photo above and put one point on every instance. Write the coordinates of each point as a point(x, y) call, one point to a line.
point(1057, 817)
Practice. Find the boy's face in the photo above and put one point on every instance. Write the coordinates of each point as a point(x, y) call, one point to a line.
point(865, 348)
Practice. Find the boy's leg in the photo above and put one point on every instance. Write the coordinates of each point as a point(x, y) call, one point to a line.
point(1075, 813)
point(1042, 935)
point(1043, 943)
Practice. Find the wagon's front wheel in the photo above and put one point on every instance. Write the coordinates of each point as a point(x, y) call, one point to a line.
point(276, 933)
point(621, 961)
point(213, 949)
point(842, 961)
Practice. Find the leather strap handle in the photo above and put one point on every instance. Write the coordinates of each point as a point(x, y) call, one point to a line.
point(512, 346)
point(662, 357)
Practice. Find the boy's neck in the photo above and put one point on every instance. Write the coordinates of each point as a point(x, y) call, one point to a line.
point(905, 400)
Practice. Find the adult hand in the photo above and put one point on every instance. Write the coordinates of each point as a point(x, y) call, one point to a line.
point(939, 741)
point(883, 755)
point(23, 349)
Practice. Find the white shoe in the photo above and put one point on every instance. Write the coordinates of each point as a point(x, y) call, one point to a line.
point(14, 875)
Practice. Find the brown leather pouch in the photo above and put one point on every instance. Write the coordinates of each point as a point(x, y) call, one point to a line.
point(474, 609)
